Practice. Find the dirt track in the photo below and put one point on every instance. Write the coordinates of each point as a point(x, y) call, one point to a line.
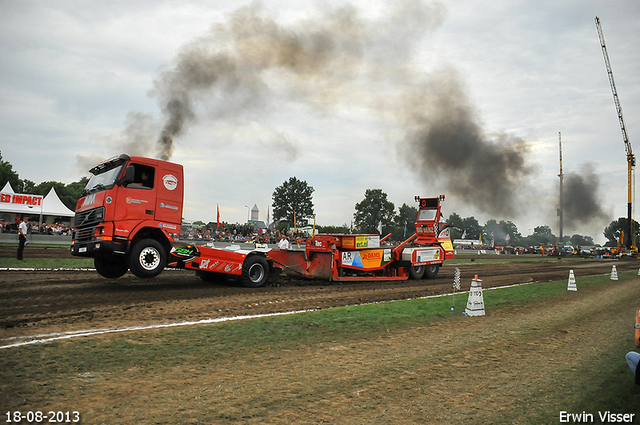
point(44, 302)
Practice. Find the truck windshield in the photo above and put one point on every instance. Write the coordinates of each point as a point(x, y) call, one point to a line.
point(427, 215)
point(103, 180)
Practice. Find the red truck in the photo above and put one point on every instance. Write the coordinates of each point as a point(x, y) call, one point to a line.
point(130, 213)
point(129, 218)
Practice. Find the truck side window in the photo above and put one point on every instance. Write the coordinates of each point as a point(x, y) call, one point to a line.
point(143, 177)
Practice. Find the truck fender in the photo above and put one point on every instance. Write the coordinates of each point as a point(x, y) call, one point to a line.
point(150, 229)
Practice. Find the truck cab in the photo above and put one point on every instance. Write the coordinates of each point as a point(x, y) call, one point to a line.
point(431, 228)
point(131, 207)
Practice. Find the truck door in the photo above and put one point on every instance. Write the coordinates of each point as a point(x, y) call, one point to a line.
point(170, 193)
point(137, 199)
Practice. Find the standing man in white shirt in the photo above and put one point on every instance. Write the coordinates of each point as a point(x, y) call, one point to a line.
point(22, 230)
point(284, 243)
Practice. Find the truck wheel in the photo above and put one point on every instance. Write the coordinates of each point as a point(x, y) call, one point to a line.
point(431, 271)
point(416, 272)
point(255, 272)
point(147, 258)
point(110, 267)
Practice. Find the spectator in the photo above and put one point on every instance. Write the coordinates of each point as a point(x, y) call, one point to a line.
point(22, 237)
point(632, 360)
point(284, 243)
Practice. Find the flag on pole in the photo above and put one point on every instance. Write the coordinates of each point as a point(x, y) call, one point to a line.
point(314, 226)
point(218, 215)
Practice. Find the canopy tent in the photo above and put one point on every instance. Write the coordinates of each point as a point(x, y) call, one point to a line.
point(25, 204)
point(52, 205)
point(7, 188)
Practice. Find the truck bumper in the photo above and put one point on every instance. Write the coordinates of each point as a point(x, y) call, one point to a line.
point(98, 248)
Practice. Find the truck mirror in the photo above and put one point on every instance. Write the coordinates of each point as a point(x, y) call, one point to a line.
point(129, 175)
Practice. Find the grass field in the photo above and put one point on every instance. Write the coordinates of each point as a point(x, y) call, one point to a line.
point(539, 350)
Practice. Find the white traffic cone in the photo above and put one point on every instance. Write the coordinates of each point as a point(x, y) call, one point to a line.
point(572, 282)
point(475, 303)
point(614, 273)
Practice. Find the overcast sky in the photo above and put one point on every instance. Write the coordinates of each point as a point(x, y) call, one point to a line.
point(461, 98)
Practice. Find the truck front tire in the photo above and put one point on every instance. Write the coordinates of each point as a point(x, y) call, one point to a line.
point(255, 271)
point(147, 258)
point(110, 267)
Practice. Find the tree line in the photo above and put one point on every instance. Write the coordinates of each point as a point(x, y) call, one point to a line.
point(295, 196)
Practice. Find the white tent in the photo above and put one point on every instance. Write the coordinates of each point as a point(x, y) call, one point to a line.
point(52, 205)
point(31, 205)
point(7, 188)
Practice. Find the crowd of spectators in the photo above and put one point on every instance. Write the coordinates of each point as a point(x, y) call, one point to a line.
point(44, 229)
point(237, 233)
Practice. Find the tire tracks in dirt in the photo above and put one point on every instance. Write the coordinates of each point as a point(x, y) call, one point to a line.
point(42, 302)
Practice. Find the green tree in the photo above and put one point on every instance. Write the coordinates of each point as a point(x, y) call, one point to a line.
point(27, 186)
point(579, 240)
point(44, 188)
point(615, 228)
point(374, 209)
point(472, 227)
point(456, 224)
point(503, 233)
point(404, 222)
point(293, 196)
point(72, 192)
point(7, 174)
point(542, 235)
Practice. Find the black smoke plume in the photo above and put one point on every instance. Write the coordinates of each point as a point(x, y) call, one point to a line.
point(445, 142)
point(315, 61)
point(581, 201)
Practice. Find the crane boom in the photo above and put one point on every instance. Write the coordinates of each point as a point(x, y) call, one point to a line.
point(631, 159)
point(625, 138)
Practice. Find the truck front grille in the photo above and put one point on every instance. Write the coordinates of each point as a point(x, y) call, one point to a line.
point(85, 223)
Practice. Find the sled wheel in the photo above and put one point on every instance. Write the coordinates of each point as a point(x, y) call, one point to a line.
point(416, 272)
point(147, 258)
point(110, 267)
point(255, 272)
point(431, 271)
